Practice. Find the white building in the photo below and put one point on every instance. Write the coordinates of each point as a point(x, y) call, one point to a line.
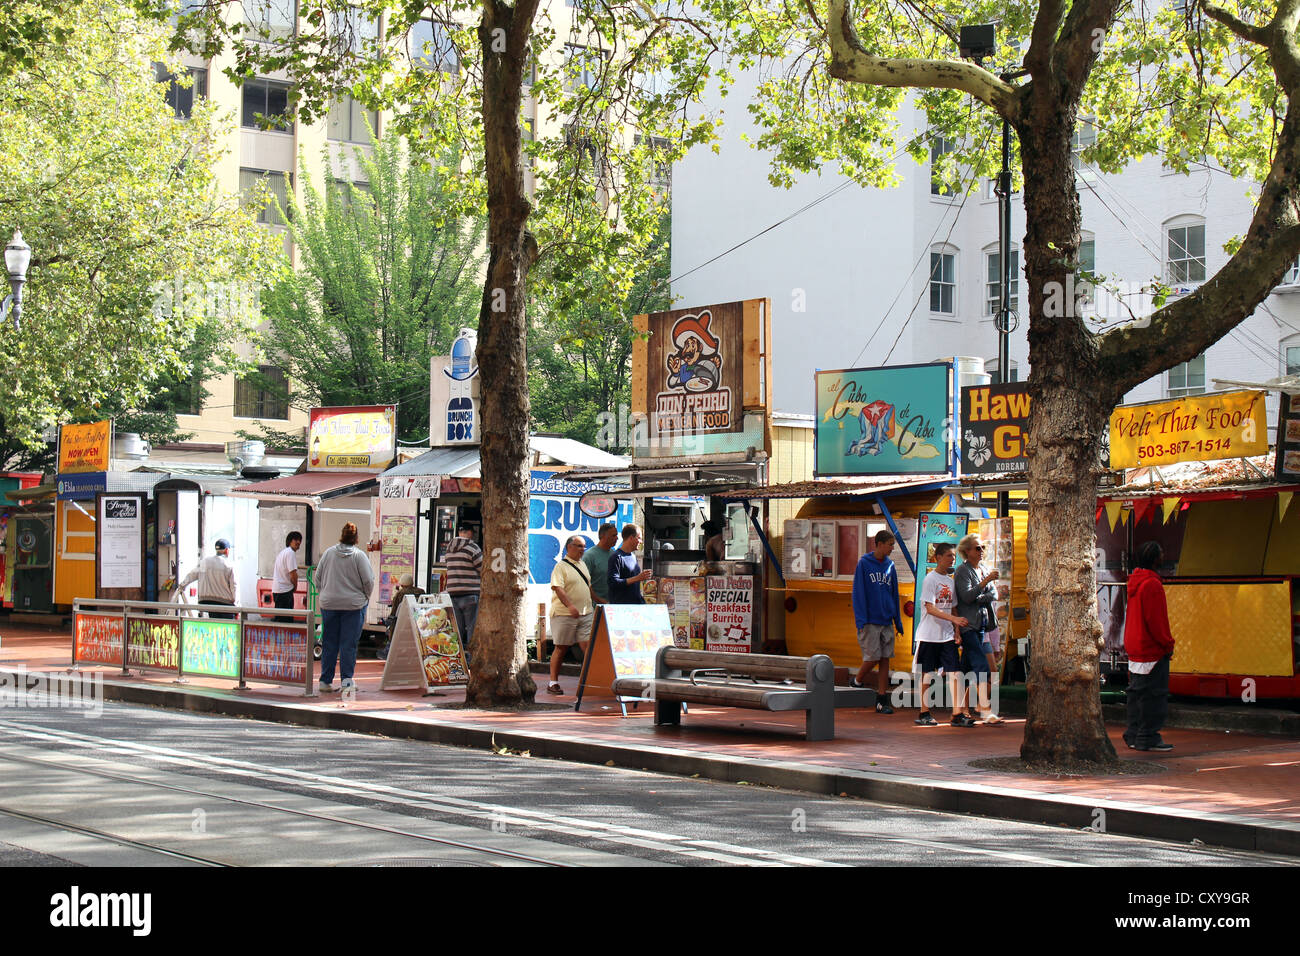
point(889, 277)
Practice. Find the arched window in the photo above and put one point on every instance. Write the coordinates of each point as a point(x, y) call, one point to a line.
point(993, 279)
point(1185, 250)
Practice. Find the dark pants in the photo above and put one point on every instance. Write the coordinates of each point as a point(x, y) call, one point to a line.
point(465, 607)
point(340, 633)
point(1148, 705)
point(284, 601)
point(217, 604)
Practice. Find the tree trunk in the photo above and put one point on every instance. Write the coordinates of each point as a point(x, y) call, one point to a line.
point(1069, 410)
point(499, 668)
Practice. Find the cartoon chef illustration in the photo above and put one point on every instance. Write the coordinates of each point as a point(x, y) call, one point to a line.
point(696, 366)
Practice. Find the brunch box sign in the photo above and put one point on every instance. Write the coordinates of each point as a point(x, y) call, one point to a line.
point(1196, 428)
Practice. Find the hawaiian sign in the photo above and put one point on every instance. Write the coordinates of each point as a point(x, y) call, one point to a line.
point(276, 653)
point(152, 642)
point(85, 447)
point(454, 397)
point(98, 639)
point(1195, 428)
point(883, 421)
point(934, 527)
point(210, 647)
point(360, 438)
point(994, 425)
point(730, 613)
point(1287, 467)
point(555, 514)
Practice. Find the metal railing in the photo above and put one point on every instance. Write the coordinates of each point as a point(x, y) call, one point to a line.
point(201, 640)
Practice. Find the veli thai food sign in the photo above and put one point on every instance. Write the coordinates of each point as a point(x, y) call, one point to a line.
point(883, 421)
point(1195, 428)
point(360, 438)
point(994, 424)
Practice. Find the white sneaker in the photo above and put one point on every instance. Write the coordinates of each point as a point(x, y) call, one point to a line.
point(325, 688)
point(349, 684)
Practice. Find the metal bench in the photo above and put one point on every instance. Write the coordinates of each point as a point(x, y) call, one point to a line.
point(752, 681)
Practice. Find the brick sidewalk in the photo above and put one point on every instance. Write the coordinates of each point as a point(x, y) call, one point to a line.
point(1246, 777)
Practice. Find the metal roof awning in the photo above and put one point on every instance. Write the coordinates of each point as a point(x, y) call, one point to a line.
point(34, 493)
point(309, 488)
point(439, 462)
point(988, 484)
point(841, 488)
point(680, 475)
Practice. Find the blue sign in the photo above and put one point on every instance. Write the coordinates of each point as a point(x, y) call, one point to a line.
point(82, 487)
point(554, 516)
point(884, 421)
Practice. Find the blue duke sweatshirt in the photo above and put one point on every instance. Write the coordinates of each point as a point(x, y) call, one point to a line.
point(875, 593)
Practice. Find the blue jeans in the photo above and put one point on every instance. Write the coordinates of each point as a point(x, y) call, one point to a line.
point(465, 607)
point(340, 632)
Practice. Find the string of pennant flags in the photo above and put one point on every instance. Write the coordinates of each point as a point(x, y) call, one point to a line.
point(1140, 508)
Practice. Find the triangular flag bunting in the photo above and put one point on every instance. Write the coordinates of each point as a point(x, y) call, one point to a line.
point(1283, 502)
point(1113, 510)
point(1140, 508)
point(1170, 505)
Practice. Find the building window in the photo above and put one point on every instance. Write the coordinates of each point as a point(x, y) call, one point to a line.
point(1186, 245)
point(1188, 378)
point(584, 66)
point(993, 282)
point(264, 394)
point(1292, 276)
point(939, 145)
point(661, 168)
point(432, 47)
point(181, 93)
point(589, 148)
point(270, 19)
point(991, 189)
point(1085, 136)
point(348, 120)
point(1293, 361)
point(251, 181)
point(266, 106)
point(352, 32)
point(346, 194)
point(1088, 255)
point(943, 283)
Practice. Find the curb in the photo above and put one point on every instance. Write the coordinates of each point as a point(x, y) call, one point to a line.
point(1005, 803)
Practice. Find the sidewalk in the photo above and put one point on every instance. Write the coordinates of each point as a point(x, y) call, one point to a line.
point(1222, 788)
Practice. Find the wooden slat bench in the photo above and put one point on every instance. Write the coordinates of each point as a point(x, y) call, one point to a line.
point(752, 681)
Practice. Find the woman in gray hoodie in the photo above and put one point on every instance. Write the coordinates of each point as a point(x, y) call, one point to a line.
point(344, 581)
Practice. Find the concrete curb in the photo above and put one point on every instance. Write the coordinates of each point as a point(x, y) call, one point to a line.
point(1128, 819)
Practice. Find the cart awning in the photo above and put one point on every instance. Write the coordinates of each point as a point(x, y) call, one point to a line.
point(831, 488)
point(309, 488)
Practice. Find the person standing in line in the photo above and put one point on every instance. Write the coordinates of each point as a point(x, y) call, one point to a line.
point(878, 617)
point(596, 560)
point(625, 574)
point(284, 580)
point(1149, 644)
point(937, 636)
point(344, 579)
point(216, 577)
point(464, 562)
point(572, 608)
point(975, 596)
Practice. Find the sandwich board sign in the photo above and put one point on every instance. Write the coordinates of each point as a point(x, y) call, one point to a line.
point(427, 651)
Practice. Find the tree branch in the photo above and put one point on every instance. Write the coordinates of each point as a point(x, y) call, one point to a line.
point(850, 61)
point(1042, 41)
point(1247, 31)
point(1081, 41)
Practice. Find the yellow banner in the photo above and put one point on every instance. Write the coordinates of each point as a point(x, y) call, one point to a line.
point(1196, 428)
point(84, 447)
point(361, 438)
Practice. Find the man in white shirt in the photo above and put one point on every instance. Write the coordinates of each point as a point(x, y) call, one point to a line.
point(216, 577)
point(936, 639)
point(572, 607)
point(284, 580)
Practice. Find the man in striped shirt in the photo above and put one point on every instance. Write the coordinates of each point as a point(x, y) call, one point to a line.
point(464, 561)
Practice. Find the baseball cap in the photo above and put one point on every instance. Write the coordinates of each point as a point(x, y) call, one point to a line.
point(223, 544)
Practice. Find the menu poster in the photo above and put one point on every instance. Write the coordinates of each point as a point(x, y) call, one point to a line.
point(906, 532)
point(848, 547)
point(823, 549)
point(426, 650)
point(796, 548)
point(396, 553)
point(636, 632)
point(1287, 467)
point(999, 548)
point(119, 545)
point(933, 528)
point(698, 613)
point(730, 613)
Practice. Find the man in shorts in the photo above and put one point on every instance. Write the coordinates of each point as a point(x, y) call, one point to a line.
point(877, 615)
point(572, 607)
point(936, 639)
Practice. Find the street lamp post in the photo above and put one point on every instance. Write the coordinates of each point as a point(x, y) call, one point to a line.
point(18, 255)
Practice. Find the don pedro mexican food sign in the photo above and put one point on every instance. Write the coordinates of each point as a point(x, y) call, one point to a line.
point(883, 421)
point(695, 369)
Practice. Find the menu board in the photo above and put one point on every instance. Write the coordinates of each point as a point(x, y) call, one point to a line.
point(152, 642)
point(210, 647)
point(933, 527)
point(1287, 467)
point(848, 547)
point(730, 610)
point(636, 632)
point(120, 527)
point(426, 650)
point(822, 564)
point(699, 617)
point(999, 550)
point(675, 595)
point(98, 639)
point(396, 553)
point(276, 652)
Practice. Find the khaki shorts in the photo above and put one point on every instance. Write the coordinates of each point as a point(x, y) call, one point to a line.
point(567, 630)
point(876, 641)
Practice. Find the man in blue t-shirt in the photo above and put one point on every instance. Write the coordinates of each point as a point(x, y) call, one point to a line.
point(625, 574)
point(877, 616)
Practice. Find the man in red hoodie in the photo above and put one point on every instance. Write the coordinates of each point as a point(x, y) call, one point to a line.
point(1149, 645)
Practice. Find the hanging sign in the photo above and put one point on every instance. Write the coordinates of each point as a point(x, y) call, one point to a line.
point(85, 448)
point(883, 421)
point(994, 424)
point(1194, 428)
point(414, 486)
point(598, 504)
point(454, 394)
point(354, 438)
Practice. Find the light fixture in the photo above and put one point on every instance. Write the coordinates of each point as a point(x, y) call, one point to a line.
point(18, 256)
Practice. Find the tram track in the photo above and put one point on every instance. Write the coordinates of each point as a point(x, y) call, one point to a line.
point(108, 837)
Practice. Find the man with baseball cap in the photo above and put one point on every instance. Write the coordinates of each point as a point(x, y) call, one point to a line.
point(216, 577)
